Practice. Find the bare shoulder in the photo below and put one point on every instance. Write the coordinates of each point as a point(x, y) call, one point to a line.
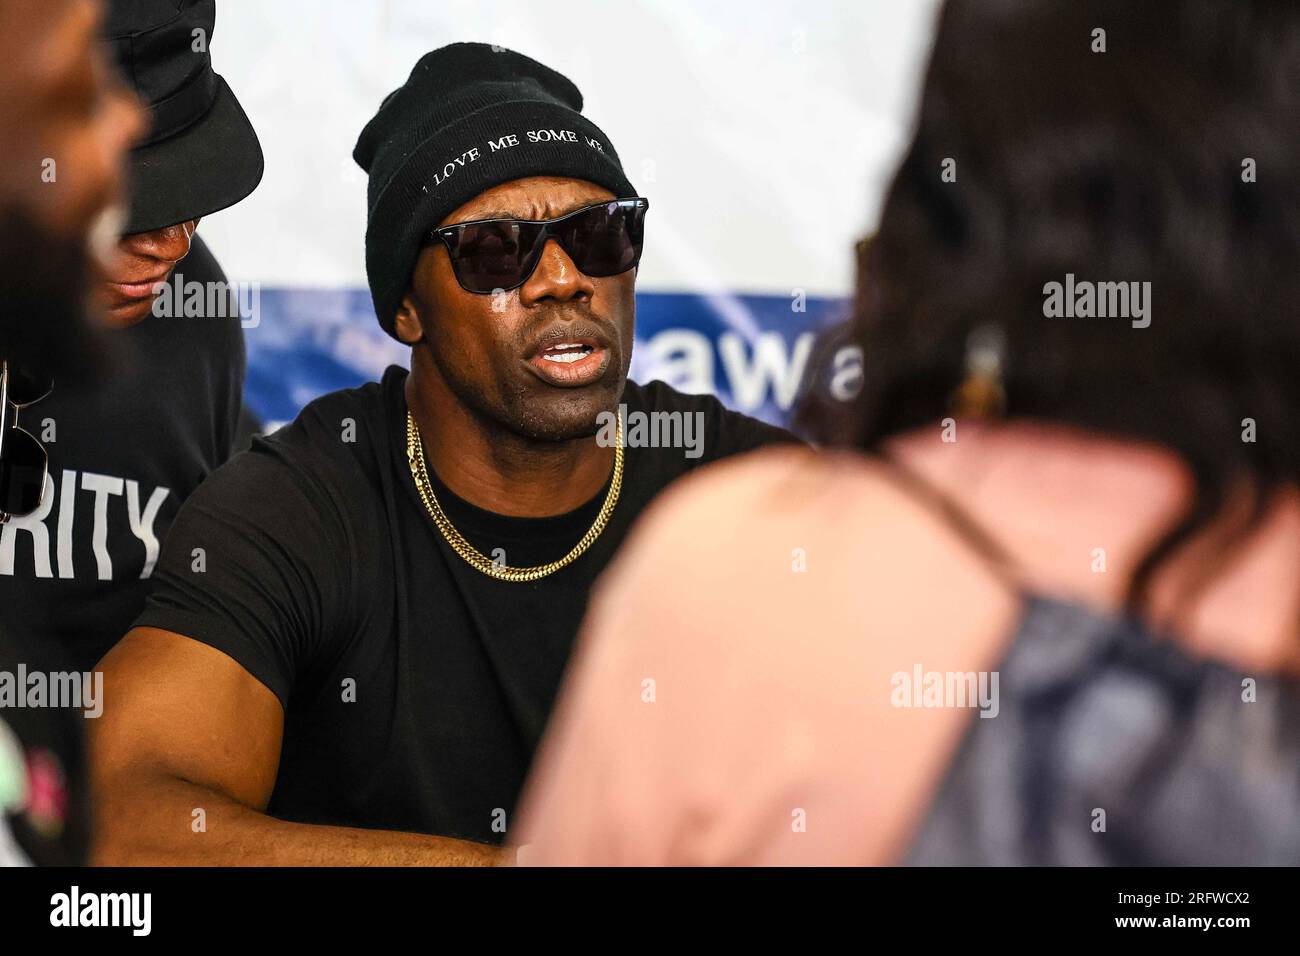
point(837, 501)
point(774, 484)
point(765, 538)
point(769, 604)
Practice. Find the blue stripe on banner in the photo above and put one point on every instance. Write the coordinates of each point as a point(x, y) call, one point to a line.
point(752, 351)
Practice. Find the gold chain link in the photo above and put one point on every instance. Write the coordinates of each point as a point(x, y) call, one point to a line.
point(476, 559)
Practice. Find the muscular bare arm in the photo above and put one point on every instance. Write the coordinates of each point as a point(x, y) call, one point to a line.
point(185, 727)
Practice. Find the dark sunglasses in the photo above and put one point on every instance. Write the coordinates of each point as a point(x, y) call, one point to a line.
point(23, 461)
point(500, 254)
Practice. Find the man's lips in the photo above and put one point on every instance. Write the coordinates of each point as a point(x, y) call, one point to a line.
point(570, 358)
point(143, 289)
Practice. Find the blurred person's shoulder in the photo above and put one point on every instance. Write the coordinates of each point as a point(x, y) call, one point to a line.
point(797, 538)
point(830, 494)
point(771, 592)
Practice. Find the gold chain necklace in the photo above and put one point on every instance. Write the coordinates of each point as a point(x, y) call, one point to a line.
point(475, 558)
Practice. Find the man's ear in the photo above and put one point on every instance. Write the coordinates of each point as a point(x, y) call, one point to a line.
point(407, 321)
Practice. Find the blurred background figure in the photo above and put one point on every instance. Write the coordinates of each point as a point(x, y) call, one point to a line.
point(65, 126)
point(1047, 609)
point(126, 450)
point(57, 101)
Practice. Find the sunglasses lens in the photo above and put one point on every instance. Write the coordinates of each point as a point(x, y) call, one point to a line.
point(494, 255)
point(28, 384)
point(22, 472)
point(605, 240)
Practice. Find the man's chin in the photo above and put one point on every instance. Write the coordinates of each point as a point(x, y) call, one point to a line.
point(567, 414)
point(125, 314)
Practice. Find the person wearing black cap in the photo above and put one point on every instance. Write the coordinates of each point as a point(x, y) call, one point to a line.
point(126, 449)
point(390, 586)
point(200, 156)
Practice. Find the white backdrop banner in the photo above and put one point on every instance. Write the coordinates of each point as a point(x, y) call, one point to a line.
point(764, 134)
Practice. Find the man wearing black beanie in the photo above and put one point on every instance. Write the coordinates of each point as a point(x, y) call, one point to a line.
point(362, 624)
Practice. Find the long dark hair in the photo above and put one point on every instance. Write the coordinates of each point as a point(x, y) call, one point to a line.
point(1132, 164)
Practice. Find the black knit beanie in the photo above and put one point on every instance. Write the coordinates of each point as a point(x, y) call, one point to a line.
point(469, 117)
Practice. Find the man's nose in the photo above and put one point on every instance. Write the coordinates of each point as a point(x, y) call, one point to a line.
point(556, 277)
point(170, 244)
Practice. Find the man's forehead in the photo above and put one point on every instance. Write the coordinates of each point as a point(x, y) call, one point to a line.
point(538, 197)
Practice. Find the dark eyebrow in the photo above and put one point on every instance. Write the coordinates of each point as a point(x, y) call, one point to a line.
point(493, 214)
point(479, 217)
point(506, 214)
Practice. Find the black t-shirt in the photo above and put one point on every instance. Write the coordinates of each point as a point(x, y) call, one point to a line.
point(415, 687)
point(122, 459)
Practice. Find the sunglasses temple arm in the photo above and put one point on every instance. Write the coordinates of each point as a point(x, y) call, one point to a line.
point(4, 411)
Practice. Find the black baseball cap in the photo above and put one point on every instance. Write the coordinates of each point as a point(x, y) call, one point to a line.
point(200, 153)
